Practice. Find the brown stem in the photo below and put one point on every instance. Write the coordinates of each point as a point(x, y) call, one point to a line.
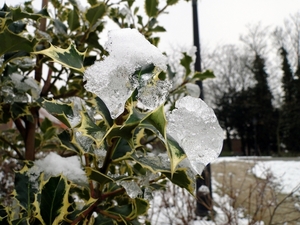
point(30, 135)
point(47, 84)
point(85, 213)
point(113, 193)
point(20, 128)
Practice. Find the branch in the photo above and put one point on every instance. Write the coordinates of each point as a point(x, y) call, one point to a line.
point(85, 213)
point(20, 128)
point(13, 147)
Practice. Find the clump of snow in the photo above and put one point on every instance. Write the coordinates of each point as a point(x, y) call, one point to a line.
point(113, 79)
point(55, 165)
point(203, 189)
point(196, 129)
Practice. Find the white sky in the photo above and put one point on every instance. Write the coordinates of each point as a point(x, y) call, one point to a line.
point(221, 21)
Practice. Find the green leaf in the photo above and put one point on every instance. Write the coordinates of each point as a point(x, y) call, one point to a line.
point(103, 110)
point(102, 220)
point(61, 28)
point(123, 210)
point(158, 119)
point(141, 206)
point(91, 130)
point(92, 2)
point(67, 141)
point(151, 7)
point(19, 109)
point(175, 152)
point(122, 150)
point(59, 110)
point(158, 29)
point(181, 178)
point(14, 42)
point(95, 13)
point(186, 62)
point(46, 123)
point(24, 190)
point(22, 221)
point(172, 2)
point(69, 57)
point(54, 200)
point(204, 75)
point(16, 14)
point(3, 215)
point(97, 176)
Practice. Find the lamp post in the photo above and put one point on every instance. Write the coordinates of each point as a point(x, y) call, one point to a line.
point(204, 199)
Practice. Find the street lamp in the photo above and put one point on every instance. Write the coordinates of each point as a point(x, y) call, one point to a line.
point(204, 199)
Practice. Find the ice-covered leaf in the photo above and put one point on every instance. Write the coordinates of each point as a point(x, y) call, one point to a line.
point(114, 79)
point(54, 200)
point(69, 57)
point(155, 163)
point(158, 120)
point(196, 129)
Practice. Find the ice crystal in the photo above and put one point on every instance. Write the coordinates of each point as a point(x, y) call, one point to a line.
point(132, 188)
point(196, 129)
point(113, 79)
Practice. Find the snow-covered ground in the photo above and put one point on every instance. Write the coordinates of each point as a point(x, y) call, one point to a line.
point(285, 173)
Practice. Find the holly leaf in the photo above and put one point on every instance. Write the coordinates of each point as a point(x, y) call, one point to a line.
point(14, 42)
point(54, 200)
point(69, 57)
point(151, 7)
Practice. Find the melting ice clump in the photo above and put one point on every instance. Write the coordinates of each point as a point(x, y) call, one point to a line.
point(196, 129)
point(113, 79)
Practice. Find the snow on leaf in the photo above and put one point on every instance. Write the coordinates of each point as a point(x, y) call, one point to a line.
point(196, 129)
point(54, 165)
point(114, 79)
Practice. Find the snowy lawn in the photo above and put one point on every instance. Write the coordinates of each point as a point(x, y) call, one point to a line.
point(245, 191)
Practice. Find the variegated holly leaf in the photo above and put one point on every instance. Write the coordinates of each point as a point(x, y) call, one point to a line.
point(69, 57)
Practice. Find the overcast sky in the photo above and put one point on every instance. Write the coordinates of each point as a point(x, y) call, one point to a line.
point(221, 21)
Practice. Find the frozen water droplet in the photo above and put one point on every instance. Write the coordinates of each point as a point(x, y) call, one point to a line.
point(132, 188)
point(196, 129)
